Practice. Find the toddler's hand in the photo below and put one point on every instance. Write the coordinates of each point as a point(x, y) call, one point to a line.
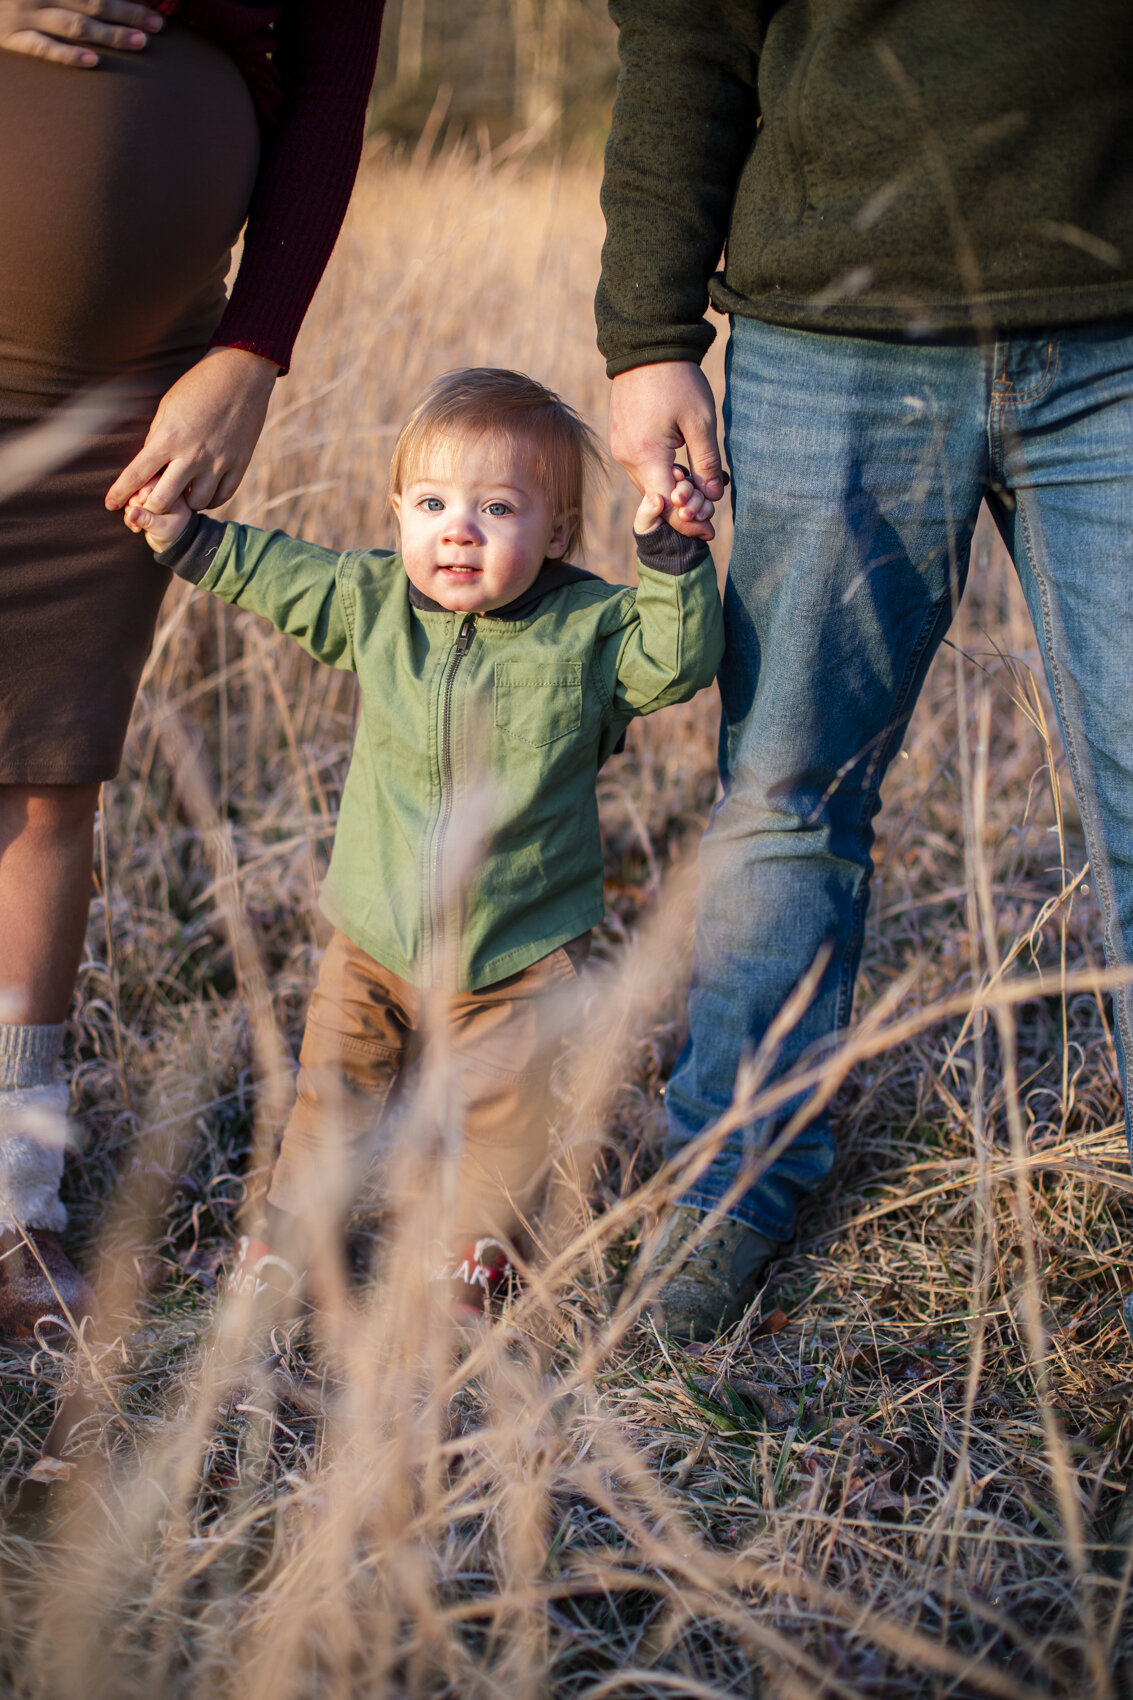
point(161, 530)
point(650, 513)
point(693, 507)
point(685, 499)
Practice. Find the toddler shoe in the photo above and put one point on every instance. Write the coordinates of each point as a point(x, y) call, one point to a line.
point(260, 1272)
point(268, 1289)
point(474, 1275)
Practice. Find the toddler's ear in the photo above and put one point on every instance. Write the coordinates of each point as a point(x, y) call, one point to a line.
point(557, 543)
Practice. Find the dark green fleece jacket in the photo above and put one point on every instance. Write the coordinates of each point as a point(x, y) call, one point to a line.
point(892, 166)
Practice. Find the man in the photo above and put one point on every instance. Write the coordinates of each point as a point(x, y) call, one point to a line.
point(928, 215)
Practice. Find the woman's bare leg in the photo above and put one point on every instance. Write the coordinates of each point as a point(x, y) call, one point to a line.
point(46, 853)
point(46, 848)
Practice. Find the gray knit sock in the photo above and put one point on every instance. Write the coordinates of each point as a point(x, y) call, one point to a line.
point(28, 1055)
point(33, 1127)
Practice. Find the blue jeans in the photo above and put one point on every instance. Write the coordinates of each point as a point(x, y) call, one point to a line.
point(859, 466)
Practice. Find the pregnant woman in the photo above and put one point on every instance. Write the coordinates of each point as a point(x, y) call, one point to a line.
point(134, 143)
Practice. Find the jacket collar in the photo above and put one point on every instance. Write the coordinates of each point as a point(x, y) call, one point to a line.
point(553, 575)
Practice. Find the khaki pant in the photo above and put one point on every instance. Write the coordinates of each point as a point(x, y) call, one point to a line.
point(364, 1028)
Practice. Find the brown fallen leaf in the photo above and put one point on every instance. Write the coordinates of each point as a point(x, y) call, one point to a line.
point(772, 1324)
point(841, 1428)
point(920, 1459)
point(880, 1446)
point(910, 1460)
point(862, 1363)
point(879, 1495)
point(48, 1470)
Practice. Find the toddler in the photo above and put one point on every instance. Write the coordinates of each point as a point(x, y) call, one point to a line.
point(495, 678)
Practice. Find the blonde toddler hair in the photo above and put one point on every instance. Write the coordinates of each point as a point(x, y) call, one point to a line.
point(531, 420)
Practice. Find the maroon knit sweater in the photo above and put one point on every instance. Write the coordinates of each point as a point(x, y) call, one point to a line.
point(309, 65)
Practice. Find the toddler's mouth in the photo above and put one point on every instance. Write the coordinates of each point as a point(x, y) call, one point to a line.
point(455, 567)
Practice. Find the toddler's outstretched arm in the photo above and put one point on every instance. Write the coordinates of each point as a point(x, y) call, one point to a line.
point(292, 583)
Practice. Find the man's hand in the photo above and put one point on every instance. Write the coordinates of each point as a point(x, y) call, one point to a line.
point(69, 32)
point(655, 411)
point(203, 433)
point(161, 531)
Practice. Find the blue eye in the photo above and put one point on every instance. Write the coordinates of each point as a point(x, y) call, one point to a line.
point(496, 509)
point(431, 504)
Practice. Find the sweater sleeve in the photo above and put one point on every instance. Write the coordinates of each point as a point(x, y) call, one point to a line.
point(684, 122)
point(298, 586)
point(672, 641)
point(326, 54)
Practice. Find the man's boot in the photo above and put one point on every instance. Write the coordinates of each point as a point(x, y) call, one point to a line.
point(717, 1281)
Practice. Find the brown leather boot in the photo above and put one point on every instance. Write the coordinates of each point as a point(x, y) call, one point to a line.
point(37, 1283)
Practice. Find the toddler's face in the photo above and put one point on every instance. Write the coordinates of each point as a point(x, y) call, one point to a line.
point(476, 526)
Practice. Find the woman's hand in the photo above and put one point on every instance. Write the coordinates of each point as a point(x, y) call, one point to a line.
point(49, 32)
point(203, 433)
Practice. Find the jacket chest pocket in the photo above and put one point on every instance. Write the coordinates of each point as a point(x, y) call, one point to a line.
point(537, 705)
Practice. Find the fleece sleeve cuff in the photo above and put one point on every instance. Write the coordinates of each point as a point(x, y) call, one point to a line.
point(194, 551)
point(669, 551)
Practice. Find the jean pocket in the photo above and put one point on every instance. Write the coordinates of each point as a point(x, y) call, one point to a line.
point(534, 705)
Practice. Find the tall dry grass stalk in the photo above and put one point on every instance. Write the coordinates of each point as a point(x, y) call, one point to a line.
point(892, 1477)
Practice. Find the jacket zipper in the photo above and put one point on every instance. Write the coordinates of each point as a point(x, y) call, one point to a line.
point(460, 650)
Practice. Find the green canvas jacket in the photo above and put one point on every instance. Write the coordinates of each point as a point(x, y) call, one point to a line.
point(915, 167)
point(468, 844)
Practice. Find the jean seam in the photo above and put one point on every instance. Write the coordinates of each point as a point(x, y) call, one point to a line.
point(861, 895)
point(1097, 862)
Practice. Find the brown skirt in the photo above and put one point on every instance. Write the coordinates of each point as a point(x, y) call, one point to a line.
point(122, 190)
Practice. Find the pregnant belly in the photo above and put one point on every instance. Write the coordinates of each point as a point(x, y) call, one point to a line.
point(122, 190)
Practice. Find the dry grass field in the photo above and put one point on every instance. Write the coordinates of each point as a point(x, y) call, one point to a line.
point(896, 1476)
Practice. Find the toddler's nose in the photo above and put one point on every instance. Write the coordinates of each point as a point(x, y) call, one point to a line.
point(461, 528)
